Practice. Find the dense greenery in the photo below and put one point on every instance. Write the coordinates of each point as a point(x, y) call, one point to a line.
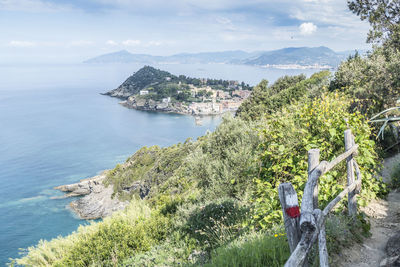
point(384, 17)
point(290, 133)
point(286, 90)
point(162, 84)
point(373, 81)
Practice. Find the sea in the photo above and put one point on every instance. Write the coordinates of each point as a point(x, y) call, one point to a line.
point(56, 128)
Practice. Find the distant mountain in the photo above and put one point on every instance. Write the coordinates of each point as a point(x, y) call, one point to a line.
point(123, 56)
point(299, 56)
point(303, 56)
point(210, 57)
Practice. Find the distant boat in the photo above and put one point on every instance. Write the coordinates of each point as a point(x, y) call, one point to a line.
point(198, 121)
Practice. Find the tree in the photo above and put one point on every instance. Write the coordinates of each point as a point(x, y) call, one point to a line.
point(384, 17)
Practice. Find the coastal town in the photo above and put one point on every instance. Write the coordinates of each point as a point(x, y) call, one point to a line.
point(208, 100)
point(164, 92)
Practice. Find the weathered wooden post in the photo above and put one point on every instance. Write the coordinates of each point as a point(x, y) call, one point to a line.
point(352, 201)
point(323, 251)
point(313, 161)
point(291, 213)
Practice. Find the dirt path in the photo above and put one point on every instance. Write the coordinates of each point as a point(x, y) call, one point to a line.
point(385, 221)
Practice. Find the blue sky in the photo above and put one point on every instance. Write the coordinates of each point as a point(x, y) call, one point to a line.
point(74, 30)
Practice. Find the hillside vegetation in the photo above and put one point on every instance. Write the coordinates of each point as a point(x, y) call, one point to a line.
point(202, 198)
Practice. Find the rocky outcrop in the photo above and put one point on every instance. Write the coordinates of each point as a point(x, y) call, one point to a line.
point(151, 105)
point(392, 251)
point(96, 201)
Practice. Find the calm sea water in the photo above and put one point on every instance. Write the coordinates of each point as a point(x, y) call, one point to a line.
point(55, 128)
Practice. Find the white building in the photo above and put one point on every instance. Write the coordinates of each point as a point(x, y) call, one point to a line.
point(166, 100)
point(144, 92)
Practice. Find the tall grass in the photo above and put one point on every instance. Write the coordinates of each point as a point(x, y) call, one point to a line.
point(102, 243)
point(255, 250)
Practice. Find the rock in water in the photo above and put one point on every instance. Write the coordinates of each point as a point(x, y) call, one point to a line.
point(97, 201)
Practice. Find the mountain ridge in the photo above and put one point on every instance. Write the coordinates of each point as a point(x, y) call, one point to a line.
point(302, 56)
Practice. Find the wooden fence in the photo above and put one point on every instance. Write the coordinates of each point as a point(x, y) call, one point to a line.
point(305, 226)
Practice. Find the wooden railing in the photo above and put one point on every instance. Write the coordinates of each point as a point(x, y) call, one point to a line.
point(305, 226)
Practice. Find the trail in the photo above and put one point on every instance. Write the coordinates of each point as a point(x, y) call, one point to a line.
point(384, 216)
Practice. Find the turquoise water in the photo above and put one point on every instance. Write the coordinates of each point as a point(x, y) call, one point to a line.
point(55, 128)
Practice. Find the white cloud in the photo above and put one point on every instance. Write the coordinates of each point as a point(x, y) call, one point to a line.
point(131, 42)
point(307, 28)
point(21, 44)
point(111, 42)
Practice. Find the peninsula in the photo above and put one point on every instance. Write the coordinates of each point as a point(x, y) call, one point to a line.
point(152, 89)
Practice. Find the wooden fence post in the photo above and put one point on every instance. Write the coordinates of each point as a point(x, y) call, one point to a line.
point(291, 213)
point(352, 201)
point(323, 251)
point(313, 161)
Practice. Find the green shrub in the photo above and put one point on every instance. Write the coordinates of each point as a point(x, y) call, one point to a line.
point(373, 81)
point(258, 249)
point(223, 161)
point(103, 243)
point(395, 176)
point(287, 137)
point(216, 223)
point(286, 90)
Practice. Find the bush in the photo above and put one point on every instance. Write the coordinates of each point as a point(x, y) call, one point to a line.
point(223, 161)
point(287, 137)
point(395, 176)
point(216, 223)
point(257, 249)
point(102, 243)
point(373, 81)
point(286, 90)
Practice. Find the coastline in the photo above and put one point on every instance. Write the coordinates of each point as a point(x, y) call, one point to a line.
point(95, 200)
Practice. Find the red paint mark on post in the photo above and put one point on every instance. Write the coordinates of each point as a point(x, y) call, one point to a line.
point(293, 212)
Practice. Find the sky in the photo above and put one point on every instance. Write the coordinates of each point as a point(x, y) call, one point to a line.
point(75, 30)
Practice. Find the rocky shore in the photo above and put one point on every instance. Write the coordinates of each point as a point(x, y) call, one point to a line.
point(151, 105)
point(96, 200)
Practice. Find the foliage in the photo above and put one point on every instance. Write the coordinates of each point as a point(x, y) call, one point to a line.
point(151, 166)
point(286, 90)
point(162, 84)
point(256, 249)
point(287, 137)
point(103, 243)
point(384, 17)
point(216, 223)
point(223, 160)
point(373, 81)
point(395, 176)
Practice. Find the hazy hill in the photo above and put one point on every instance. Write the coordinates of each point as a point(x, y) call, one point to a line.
point(298, 55)
point(292, 55)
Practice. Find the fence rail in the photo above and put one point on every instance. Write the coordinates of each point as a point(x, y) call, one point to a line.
point(304, 226)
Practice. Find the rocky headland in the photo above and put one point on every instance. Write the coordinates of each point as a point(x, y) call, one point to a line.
point(150, 89)
point(95, 200)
